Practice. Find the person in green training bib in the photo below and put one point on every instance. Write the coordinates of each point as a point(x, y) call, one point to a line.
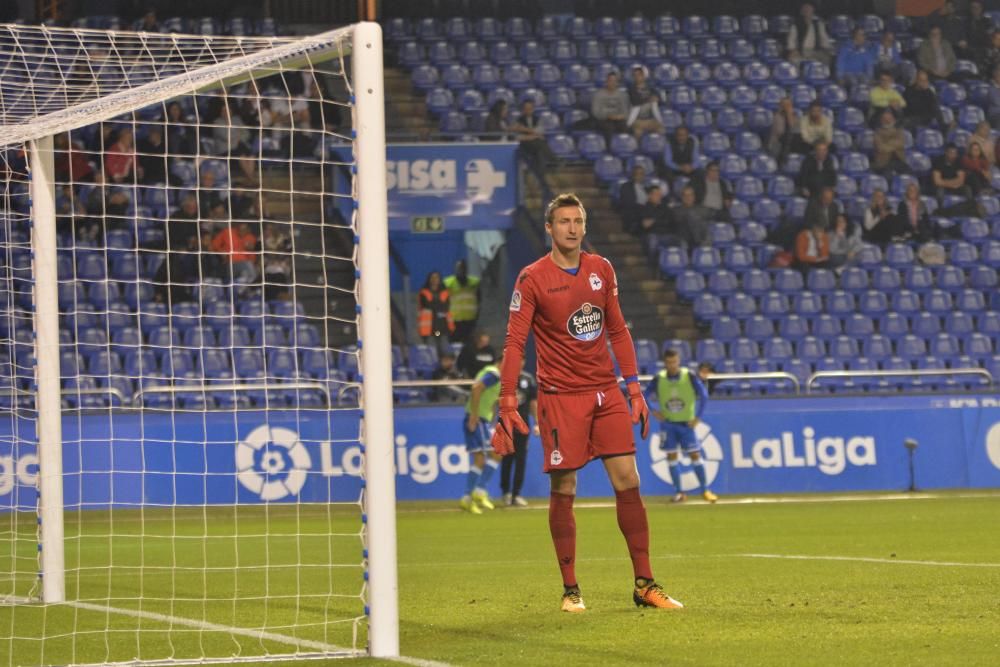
point(464, 292)
point(480, 410)
point(681, 397)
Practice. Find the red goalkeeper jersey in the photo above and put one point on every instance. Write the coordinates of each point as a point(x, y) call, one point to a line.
point(572, 317)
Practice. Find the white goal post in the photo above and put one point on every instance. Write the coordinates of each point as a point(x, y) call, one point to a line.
point(56, 81)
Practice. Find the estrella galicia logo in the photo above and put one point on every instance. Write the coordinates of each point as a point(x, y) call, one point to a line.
point(272, 462)
point(481, 179)
point(711, 454)
point(586, 323)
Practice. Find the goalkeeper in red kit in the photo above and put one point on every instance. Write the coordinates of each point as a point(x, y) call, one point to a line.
point(569, 299)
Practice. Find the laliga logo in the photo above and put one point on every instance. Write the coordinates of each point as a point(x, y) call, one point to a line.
point(481, 179)
point(272, 462)
point(711, 455)
point(993, 445)
point(23, 470)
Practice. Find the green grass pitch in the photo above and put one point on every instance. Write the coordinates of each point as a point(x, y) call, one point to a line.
point(880, 581)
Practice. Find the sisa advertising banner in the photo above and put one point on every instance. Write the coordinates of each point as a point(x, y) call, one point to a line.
point(433, 188)
point(753, 446)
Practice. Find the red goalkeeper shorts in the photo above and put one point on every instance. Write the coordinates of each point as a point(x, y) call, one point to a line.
point(577, 428)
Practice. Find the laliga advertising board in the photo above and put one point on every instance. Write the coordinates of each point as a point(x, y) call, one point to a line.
point(752, 446)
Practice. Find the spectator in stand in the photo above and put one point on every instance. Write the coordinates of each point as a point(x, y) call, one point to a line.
point(984, 138)
point(953, 26)
point(447, 370)
point(434, 325)
point(211, 196)
point(106, 208)
point(812, 247)
point(236, 244)
point(172, 281)
point(994, 100)
point(936, 55)
point(713, 193)
point(912, 219)
point(948, 176)
point(682, 155)
point(71, 163)
point(232, 141)
point(879, 222)
point(182, 138)
point(845, 242)
point(149, 22)
point(888, 57)
point(977, 169)
point(989, 59)
point(153, 157)
point(814, 127)
point(645, 100)
point(531, 142)
point(855, 60)
point(807, 39)
point(921, 107)
point(497, 125)
point(691, 220)
point(817, 171)
point(476, 356)
point(705, 372)
point(784, 134)
point(822, 210)
point(884, 97)
point(890, 147)
point(980, 29)
point(631, 199)
point(119, 161)
point(655, 216)
point(610, 107)
point(276, 245)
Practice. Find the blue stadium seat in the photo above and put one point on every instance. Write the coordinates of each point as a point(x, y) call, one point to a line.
point(710, 350)
point(938, 302)
point(759, 328)
point(623, 145)
point(767, 211)
point(728, 75)
point(707, 307)
point(705, 260)
point(771, 95)
point(688, 283)
point(699, 120)
point(906, 302)
point(672, 260)
point(810, 349)
point(929, 141)
point(759, 119)
point(666, 75)
point(844, 348)
point(591, 145)
point(971, 300)
point(738, 258)
point(911, 347)
point(854, 279)
point(774, 304)
point(694, 26)
point(744, 350)
point(840, 303)
point(608, 168)
point(778, 351)
point(917, 278)
point(793, 327)
point(788, 280)
point(723, 282)
point(974, 229)
point(756, 282)
point(725, 328)
point(899, 255)
point(951, 278)
point(826, 326)
point(982, 278)
point(740, 306)
point(713, 97)
point(859, 325)
point(233, 336)
point(925, 324)
point(877, 347)
point(960, 323)
point(945, 345)
point(807, 304)
point(636, 26)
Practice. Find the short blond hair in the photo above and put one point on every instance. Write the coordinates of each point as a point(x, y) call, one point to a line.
point(561, 200)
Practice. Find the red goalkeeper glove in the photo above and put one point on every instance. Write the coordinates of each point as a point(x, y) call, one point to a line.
point(510, 421)
point(640, 411)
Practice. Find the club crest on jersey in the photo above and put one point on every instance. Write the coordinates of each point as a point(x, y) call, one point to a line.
point(586, 323)
point(595, 282)
point(515, 301)
point(555, 458)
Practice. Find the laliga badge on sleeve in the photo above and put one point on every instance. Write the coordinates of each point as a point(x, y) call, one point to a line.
point(555, 458)
point(515, 301)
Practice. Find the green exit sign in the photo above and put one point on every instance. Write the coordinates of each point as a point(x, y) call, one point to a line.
point(431, 224)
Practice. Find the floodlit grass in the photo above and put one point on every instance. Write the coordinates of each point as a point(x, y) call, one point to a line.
point(485, 590)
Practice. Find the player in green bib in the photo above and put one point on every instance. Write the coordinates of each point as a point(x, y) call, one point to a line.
point(681, 398)
point(480, 410)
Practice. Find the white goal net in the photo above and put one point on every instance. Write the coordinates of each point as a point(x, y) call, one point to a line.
point(188, 352)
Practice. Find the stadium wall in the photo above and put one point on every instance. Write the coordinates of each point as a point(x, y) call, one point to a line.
point(751, 447)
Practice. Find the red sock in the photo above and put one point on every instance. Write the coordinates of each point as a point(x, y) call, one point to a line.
point(562, 525)
point(632, 522)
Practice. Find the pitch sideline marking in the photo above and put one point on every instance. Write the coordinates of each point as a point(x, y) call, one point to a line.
point(864, 559)
point(244, 632)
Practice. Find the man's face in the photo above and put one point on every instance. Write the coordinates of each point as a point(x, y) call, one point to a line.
point(483, 341)
point(935, 35)
point(888, 120)
point(638, 76)
point(687, 197)
point(447, 363)
point(638, 174)
point(611, 82)
point(976, 9)
point(682, 135)
point(951, 154)
point(922, 81)
point(859, 37)
point(807, 11)
point(528, 108)
point(821, 152)
point(189, 205)
point(567, 228)
point(712, 173)
point(655, 196)
point(673, 364)
point(815, 114)
point(885, 81)
point(827, 196)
